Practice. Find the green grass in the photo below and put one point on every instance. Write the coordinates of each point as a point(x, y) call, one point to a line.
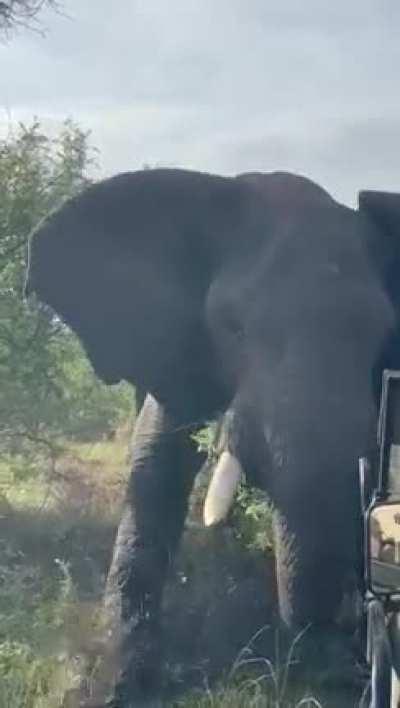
point(31, 681)
point(56, 533)
point(112, 455)
point(35, 667)
point(90, 476)
point(251, 696)
point(50, 523)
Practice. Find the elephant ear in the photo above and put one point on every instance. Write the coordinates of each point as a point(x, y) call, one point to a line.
point(383, 209)
point(127, 265)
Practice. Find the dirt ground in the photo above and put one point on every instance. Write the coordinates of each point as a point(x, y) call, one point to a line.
point(220, 618)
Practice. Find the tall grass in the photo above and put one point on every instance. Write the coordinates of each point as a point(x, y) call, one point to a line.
point(57, 539)
point(48, 523)
point(266, 686)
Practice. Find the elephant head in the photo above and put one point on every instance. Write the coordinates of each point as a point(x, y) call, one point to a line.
point(258, 293)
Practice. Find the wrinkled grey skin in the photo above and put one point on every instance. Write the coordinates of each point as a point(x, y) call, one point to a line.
point(260, 294)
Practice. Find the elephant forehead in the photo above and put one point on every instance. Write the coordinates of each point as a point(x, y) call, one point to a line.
point(320, 284)
point(298, 262)
point(287, 190)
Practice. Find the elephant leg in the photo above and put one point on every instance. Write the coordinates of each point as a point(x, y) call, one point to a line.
point(314, 580)
point(311, 593)
point(165, 460)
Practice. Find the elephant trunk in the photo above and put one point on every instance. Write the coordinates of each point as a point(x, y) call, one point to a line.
point(318, 530)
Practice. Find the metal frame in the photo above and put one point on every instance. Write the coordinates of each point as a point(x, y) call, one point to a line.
point(380, 606)
point(376, 503)
point(390, 384)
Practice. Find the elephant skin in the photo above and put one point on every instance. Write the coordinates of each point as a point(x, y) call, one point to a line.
point(258, 294)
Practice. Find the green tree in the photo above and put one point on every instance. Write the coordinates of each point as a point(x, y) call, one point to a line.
point(47, 387)
point(21, 13)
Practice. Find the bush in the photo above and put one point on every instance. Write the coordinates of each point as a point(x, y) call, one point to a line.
point(33, 610)
point(48, 389)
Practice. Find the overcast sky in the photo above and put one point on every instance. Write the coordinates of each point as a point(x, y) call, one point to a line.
point(226, 86)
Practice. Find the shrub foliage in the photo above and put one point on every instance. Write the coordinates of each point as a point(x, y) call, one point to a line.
point(48, 388)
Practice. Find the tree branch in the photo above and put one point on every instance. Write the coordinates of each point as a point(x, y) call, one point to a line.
point(54, 449)
point(22, 13)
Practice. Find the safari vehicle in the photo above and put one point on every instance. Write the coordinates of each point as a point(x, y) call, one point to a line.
point(381, 509)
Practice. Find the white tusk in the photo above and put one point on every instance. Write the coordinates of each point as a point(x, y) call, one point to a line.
point(222, 488)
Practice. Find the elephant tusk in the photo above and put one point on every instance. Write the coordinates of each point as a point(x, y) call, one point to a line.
point(222, 488)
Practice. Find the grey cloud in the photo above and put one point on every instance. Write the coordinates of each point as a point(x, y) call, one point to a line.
point(372, 143)
point(225, 86)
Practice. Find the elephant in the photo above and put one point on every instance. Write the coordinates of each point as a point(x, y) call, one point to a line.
point(260, 295)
